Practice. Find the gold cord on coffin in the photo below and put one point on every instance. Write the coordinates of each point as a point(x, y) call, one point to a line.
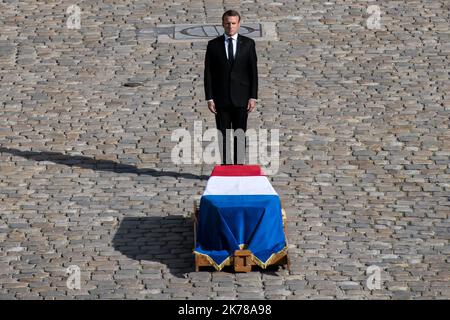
point(272, 258)
point(218, 267)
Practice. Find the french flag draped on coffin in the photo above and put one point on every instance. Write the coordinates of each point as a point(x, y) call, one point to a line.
point(239, 209)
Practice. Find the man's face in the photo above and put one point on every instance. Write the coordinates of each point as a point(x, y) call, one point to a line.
point(231, 25)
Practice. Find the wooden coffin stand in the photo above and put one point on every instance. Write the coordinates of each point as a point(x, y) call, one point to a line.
point(241, 261)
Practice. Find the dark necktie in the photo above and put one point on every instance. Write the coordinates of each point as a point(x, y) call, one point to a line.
point(230, 50)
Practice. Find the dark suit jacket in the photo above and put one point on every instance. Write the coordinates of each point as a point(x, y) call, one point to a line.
point(231, 85)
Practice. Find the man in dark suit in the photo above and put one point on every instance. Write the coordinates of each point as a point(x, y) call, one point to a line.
point(231, 81)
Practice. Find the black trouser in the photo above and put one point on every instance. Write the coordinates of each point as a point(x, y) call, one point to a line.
point(232, 118)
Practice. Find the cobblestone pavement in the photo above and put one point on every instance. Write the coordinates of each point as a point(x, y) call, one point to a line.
point(86, 175)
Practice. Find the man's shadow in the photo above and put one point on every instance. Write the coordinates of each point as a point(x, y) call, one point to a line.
point(168, 240)
point(95, 164)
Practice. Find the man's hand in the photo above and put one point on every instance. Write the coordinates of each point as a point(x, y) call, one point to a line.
point(212, 106)
point(251, 105)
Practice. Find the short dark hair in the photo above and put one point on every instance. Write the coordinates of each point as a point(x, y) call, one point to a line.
point(231, 13)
